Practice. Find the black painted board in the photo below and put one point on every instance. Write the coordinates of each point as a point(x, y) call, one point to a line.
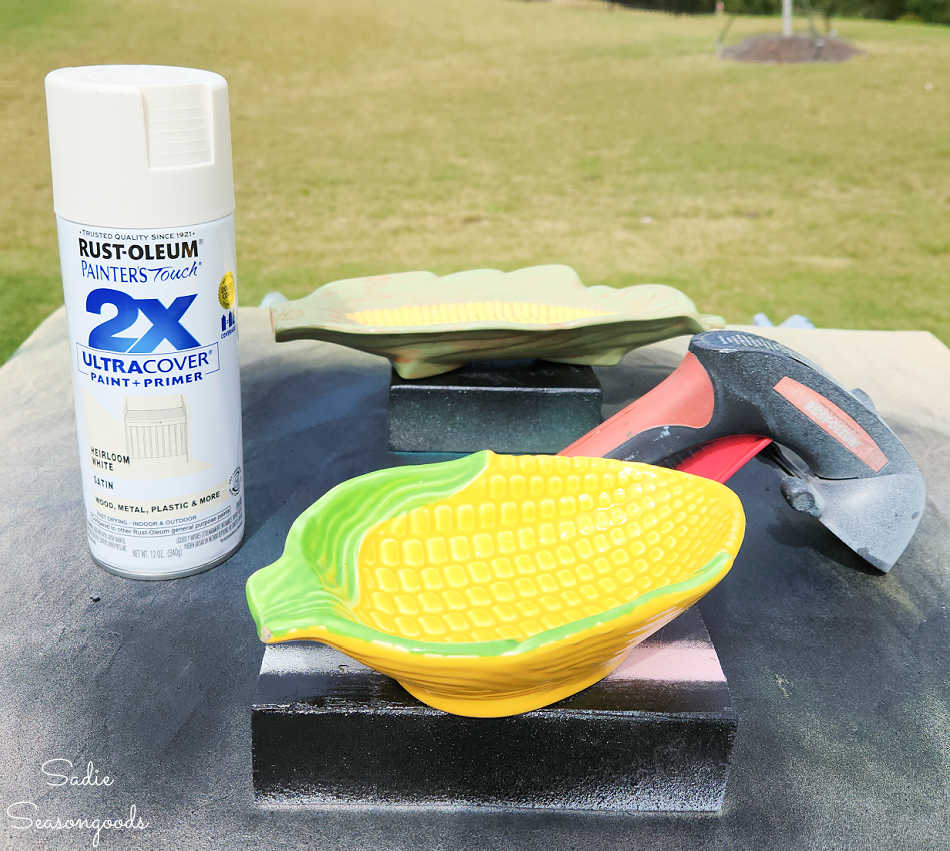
point(656, 735)
point(532, 406)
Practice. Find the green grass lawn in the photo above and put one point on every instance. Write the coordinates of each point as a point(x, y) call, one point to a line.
point(451, 134)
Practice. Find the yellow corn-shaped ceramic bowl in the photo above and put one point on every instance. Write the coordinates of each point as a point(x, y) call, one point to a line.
point(497, 584)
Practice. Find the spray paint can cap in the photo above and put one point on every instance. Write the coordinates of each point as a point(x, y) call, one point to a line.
point(139, 145)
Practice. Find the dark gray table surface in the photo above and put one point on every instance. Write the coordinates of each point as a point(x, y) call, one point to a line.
point(839, 674)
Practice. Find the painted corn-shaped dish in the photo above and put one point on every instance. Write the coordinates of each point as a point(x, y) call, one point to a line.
point(496, 584)
point(427, 324)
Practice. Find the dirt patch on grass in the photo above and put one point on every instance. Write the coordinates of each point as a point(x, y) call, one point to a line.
point(796, 48)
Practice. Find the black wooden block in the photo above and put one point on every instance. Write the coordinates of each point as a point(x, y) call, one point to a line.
point(525, 406)
point(656, 735)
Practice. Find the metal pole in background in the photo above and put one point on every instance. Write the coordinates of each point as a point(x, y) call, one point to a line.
point(786, 18)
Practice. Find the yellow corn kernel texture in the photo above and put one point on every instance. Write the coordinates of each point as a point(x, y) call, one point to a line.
point(533, 543)
point(527, 313)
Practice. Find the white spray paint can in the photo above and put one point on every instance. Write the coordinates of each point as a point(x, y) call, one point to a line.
point(144, 199)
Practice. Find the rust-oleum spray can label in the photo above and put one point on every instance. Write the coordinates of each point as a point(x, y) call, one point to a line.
point(144, 199)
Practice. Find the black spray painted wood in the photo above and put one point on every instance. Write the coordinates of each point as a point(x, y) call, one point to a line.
point(656, 735)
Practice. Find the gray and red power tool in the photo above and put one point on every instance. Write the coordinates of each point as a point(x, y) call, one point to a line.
point(735, 393)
